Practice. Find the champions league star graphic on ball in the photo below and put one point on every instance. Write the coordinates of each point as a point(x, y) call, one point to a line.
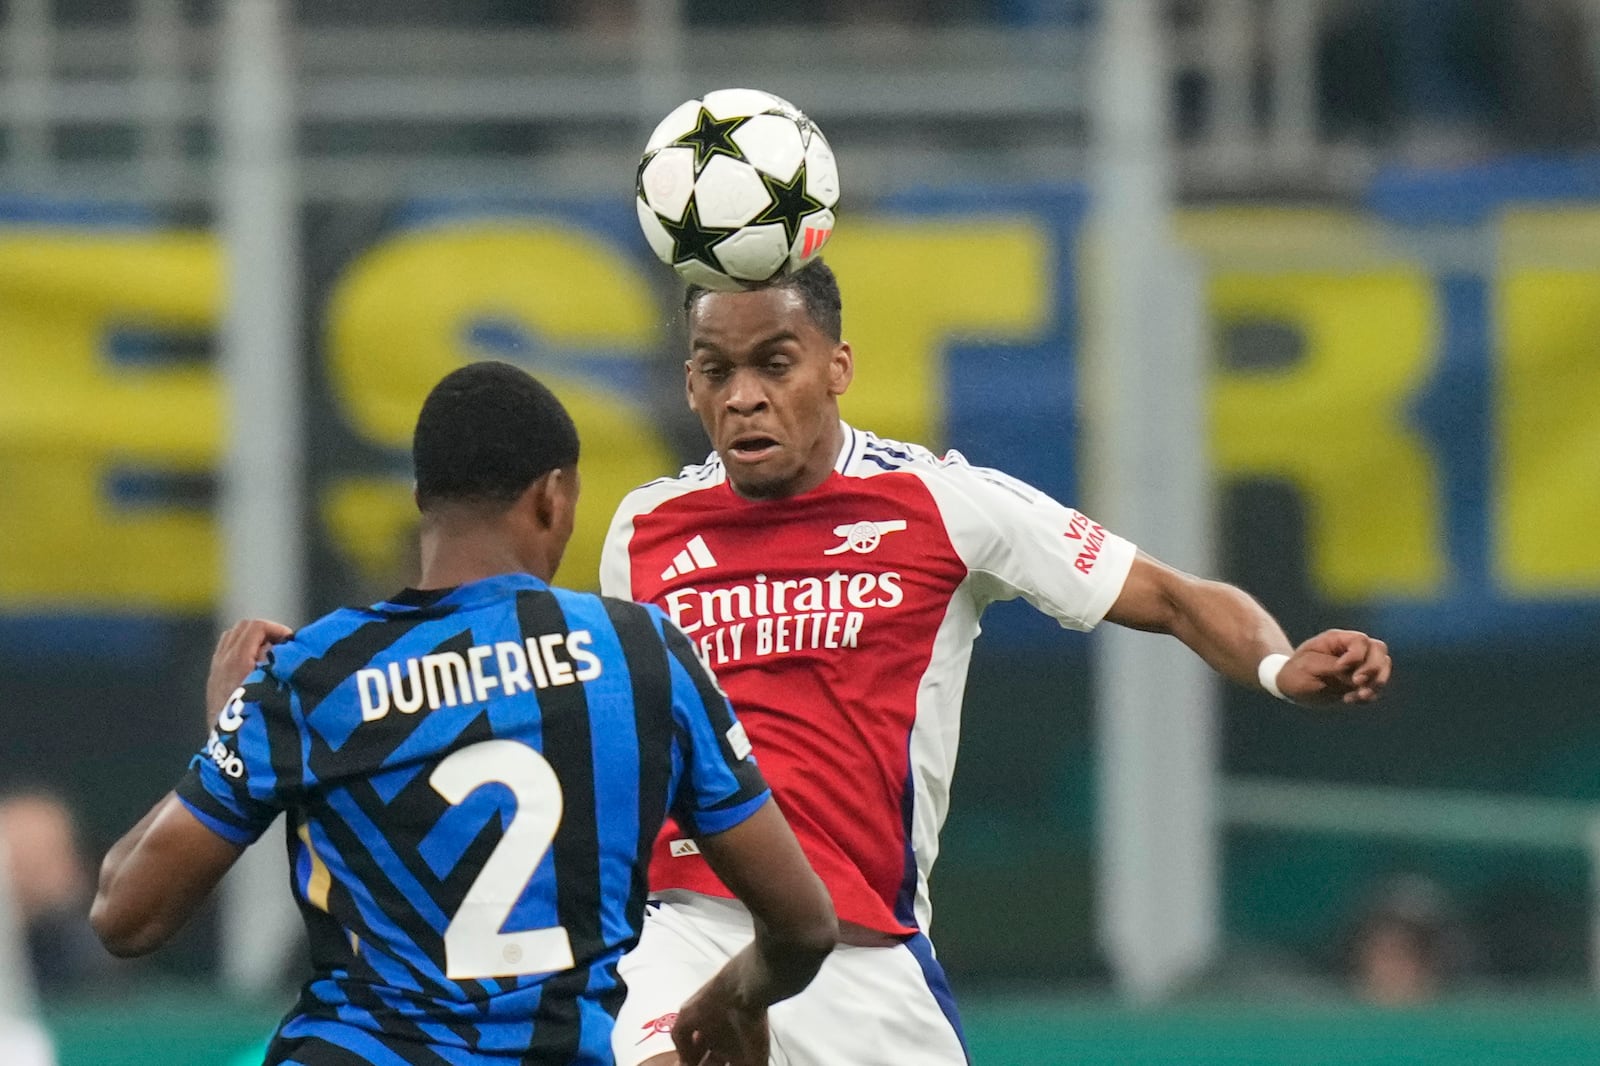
point(736, 188)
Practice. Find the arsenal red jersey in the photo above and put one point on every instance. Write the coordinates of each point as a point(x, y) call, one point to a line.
point(840, 622)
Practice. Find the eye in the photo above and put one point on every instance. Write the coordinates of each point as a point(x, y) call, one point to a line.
point(777, 367)
point(714, 373)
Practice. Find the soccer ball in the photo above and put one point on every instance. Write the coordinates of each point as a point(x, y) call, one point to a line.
point(735, 188)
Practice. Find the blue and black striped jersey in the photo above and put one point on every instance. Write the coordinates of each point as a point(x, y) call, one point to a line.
point(472, 779)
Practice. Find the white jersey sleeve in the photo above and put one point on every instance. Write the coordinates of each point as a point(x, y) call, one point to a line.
point(616, 555)
point(616, 568)
point(1017, 541)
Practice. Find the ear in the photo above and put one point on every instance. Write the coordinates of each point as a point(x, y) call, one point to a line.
point(841, 369)
point(537, 502)
point(557, 496)
point(546, 498)
point(688, 385)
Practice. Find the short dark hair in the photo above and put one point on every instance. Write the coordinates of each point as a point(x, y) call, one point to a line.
point(486, 432)
point(817, 287)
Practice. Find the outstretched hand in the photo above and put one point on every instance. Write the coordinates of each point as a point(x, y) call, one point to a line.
point(713, 1029)
point(1336, 666)
point(238, 651)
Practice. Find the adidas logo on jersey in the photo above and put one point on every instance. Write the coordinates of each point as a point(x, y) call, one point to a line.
point(694, 556)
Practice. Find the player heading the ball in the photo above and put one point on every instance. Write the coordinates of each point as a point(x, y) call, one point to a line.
point(836, 580)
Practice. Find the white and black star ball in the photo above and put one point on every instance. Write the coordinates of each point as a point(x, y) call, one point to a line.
point(736, 187)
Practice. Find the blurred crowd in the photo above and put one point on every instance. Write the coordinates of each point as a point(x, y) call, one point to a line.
point(50, 890)
point(1421, 81)
point(1436, 80)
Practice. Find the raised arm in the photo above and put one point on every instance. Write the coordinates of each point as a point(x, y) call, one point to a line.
point(1236, 636)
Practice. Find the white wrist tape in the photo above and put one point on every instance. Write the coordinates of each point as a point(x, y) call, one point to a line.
point(1267, 673)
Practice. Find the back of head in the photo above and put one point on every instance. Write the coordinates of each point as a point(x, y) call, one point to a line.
point(486, 432)
point(818, 289)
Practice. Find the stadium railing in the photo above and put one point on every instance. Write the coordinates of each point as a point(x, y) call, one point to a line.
point(543, 107)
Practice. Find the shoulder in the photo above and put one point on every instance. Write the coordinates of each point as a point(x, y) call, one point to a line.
point(621, 614)
point(869, 455)
point(873, 456)
point(657, 503)
point(689, 480)
point(316, 640)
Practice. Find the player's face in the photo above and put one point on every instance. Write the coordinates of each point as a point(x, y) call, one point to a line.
point(766, 382)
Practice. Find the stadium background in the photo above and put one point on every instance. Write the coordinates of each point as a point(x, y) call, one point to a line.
point(1396, 223)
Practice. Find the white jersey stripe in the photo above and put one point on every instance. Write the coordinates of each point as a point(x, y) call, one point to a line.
point(616, 570)
point(935, 737)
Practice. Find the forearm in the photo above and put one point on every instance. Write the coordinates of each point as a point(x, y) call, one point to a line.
point(771, 970)
point(111, 865)
point(1233, 634)
point(1222, 624)
point(121, 914)
point(795, 924)
point(152, 879)
point(1226, 627)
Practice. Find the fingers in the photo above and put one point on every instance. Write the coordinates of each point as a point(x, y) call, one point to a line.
point(1346, 647)
point(271, 632)
point(239, 649)
point(1355, 652)
point(732, 1048)
point(1382, 666)
point(1346, 666)
point(251, 637)
point(261, 632)
point(265, 635)
point(1369, 674)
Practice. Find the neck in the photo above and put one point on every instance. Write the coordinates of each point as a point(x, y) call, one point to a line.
point(457, 550)
point(821, 465)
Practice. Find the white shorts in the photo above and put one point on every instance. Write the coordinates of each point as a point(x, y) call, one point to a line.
point(886, 1006)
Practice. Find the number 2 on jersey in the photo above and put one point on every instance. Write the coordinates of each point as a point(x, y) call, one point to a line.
point(474, 946)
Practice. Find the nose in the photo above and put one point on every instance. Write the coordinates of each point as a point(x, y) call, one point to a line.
point(745, 395)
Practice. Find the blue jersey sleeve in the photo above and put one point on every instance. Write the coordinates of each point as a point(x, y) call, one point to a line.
point(721, 785)
point(233, 785)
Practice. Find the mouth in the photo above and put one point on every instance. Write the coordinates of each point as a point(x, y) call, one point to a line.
point(752, 447)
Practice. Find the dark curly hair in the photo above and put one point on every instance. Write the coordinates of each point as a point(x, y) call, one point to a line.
point(486, 432)
point(817, 287)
